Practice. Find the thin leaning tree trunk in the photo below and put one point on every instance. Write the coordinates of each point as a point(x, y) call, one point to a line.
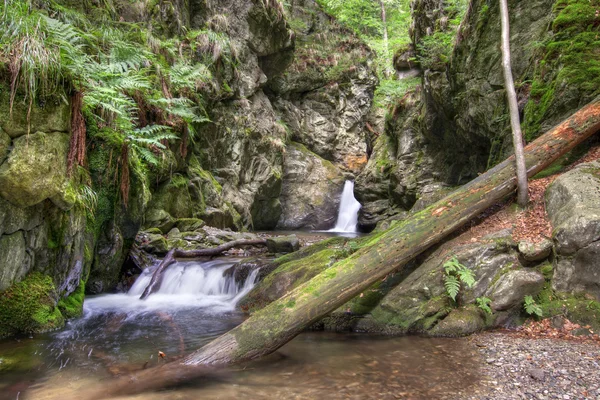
point(513, 108)
point(273, 326)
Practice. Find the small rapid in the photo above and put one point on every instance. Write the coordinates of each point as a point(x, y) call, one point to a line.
point(195, 303)
point(347, 219)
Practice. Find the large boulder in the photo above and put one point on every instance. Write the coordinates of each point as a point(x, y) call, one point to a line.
point(574, 211)
point(311, 190)
point(512, 287)
point(54, 116)
point(35, 169)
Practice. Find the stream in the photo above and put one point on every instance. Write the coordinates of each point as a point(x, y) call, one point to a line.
point(119, 333)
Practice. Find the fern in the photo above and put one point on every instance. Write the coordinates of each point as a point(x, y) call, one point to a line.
point(466, 276)
point(484, 304)
point(455, 275)
point(452, 286)
point(531, 306)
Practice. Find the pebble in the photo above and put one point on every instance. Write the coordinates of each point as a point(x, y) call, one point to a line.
point(523, 368)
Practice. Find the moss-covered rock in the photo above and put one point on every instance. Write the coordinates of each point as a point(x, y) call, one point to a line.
point(283, 244)
point(29, 307)
point(460, 322)
point(54, 116)
point(35, 169)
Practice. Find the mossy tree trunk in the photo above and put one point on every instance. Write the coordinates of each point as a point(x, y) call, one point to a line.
point(273, 326)
point(513, 108)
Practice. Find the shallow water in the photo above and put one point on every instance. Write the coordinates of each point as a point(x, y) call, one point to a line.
point(120, 333)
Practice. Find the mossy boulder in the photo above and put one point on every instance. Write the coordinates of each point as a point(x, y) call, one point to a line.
point(54, 116)
point(460, 322)
point(283, 244)
point(35, 169)
point(30, 307)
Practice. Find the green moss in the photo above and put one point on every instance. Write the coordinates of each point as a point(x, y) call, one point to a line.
point(570, 62)
point(72, 306)
point(29, 307)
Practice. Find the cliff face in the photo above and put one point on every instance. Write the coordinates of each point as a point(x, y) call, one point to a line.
point(285, 111)
point(454, 125)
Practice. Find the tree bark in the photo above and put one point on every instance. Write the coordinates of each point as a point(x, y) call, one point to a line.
point(387, 70)
point(513, 109)
point(273, 326)
point(171, 256)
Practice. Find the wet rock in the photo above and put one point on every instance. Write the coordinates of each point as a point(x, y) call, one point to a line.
point(574, 211)
point(535, 251)
point(512, 287)
point(310, 195)
point(283, 244)
point(35, 169)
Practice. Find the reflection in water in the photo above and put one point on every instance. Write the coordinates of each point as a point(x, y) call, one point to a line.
point(119, 334)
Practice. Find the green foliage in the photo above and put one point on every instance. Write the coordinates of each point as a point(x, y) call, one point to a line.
point(72, 305)
point(139, 90)
point(392, 91)
point(456, 274)
point(484, 304)
point(531, 306)
point(435, 50)
point(363, 17)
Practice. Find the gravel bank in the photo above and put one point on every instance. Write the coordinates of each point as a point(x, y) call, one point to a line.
point(525, 368)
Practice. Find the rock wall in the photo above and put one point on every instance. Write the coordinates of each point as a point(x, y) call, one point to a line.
point(42, 229)
point(454, 124)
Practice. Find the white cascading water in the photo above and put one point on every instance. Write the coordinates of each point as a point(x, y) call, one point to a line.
point(348, 215)
point(185, 284)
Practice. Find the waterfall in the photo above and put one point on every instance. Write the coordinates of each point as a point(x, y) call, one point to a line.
point(348, 215)
point(185, 284)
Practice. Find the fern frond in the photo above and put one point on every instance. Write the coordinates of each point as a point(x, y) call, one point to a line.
point(466, 276)
point(452, 286)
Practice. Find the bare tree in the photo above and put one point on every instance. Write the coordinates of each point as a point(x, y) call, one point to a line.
point(515, 123)
point(386, 43)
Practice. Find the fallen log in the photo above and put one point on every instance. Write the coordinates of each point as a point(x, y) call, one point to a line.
point(273, 326)
point(173, 254)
